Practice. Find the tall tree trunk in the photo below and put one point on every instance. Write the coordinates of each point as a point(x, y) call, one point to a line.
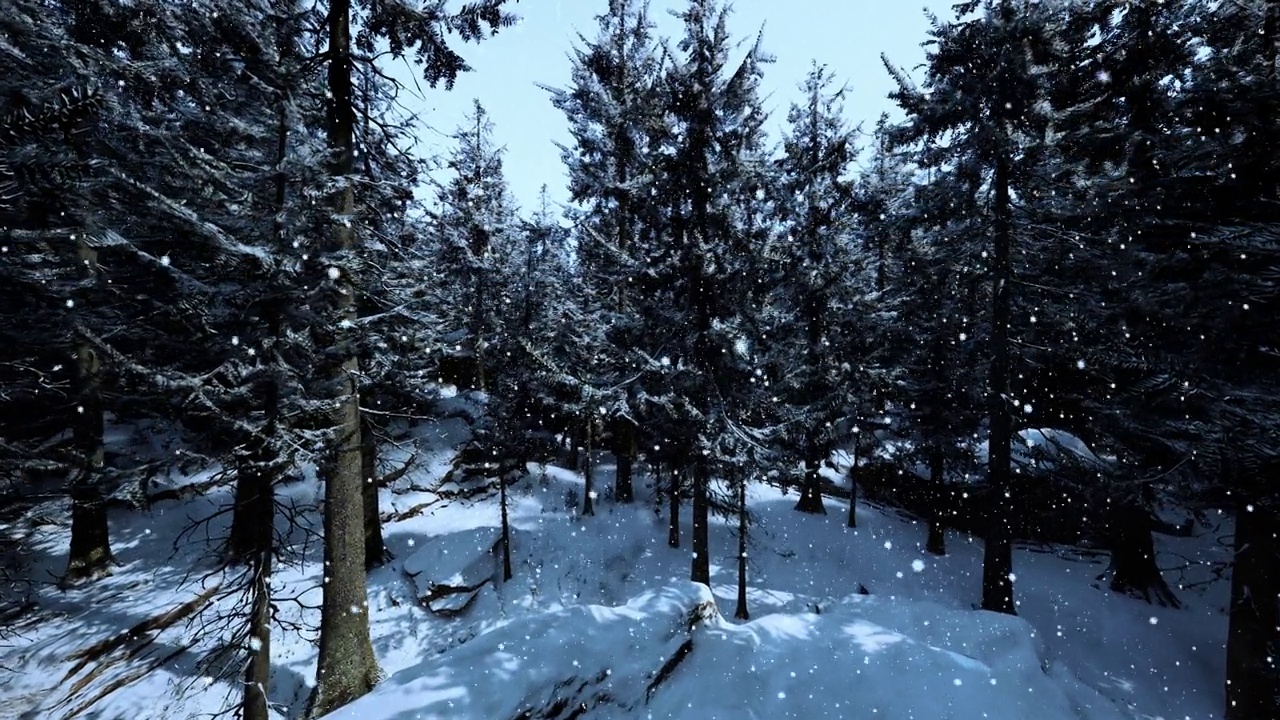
point(741, 612)
point(255, 539)
point(479, 379)
point(347, 668)
point(673, 515)
point(588, 472)
point(254, 502)
point(1253, 638)
point(701, 570)
point(253, 524)
point(811, 491)
point(375, 549)
point(997, 557)
point(937, 542)
point(503, 480)
point(853, 488)
point(1133, 556)
point(624, 439)
point(90, 552)
point(257, 674)
point(251, 504)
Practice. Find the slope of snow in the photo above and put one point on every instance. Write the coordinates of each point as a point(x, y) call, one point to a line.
point(606, 592)
point(668, 653)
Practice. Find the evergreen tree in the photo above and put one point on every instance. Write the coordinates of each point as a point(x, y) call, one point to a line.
point(711, 174)
point(816, 290)
point(347, 667)
point(614, 108)
point(982, 90)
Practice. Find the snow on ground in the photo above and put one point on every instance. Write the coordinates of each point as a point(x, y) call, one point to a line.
point(606, 593)
point(668, 653)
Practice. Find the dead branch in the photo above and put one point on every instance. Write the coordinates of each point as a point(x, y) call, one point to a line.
point(152, 625)
point(124, 680)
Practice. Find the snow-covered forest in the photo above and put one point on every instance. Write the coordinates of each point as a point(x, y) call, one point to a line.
point(968, 412)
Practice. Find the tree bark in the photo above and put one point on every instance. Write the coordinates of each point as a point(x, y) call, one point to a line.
point(375, 549)
point(503, 480)
point(1253, 682)
point(937, 542)
point(588, 473)
point(811, 491)
point(253, 512)
point(257, 675)
point(1133, 556)
point(253, 524)
point(347, 668)
point(853, 488)
point(997, 557)
point(624, 439)
point(673, 515)
point(741, 612)
point(701, 569)
point(90, 554)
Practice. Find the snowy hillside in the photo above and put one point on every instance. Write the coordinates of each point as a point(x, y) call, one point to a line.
point(599, 614)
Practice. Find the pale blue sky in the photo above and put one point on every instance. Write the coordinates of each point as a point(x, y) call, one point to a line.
point(846, 35)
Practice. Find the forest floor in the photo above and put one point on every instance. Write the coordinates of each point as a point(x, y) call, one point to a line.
point(600, 616)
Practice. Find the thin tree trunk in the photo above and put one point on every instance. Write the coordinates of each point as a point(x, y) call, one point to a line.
point(853, 488)
point(673, 514)
point(811, 491)
point(997, 558)
point(89, 555)
point(347, 668)
point(937, 542)
point(588, 474)
point(254, 501)
point(656, 469)
point(257, 675)
point(503, 479)
point(701, 570)
point(741, 612)
point(1253, 681)
point(375, 549)
point(258, 512)
point(258, 534)
point(625, 454)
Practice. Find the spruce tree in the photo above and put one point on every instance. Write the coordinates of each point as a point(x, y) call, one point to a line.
point(817, 284)
point(983, 93)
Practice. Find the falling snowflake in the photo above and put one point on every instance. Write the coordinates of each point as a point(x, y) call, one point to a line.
point(917, 565)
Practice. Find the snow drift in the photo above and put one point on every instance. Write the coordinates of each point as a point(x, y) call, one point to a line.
point(669, 654)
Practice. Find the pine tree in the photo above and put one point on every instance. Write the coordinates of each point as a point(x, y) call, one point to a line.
point(1111, 184)
point(347, 667)
point(613, 105)
point(1206, 271)
point(982, 89)
point(816, 290)
point(712, 173)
